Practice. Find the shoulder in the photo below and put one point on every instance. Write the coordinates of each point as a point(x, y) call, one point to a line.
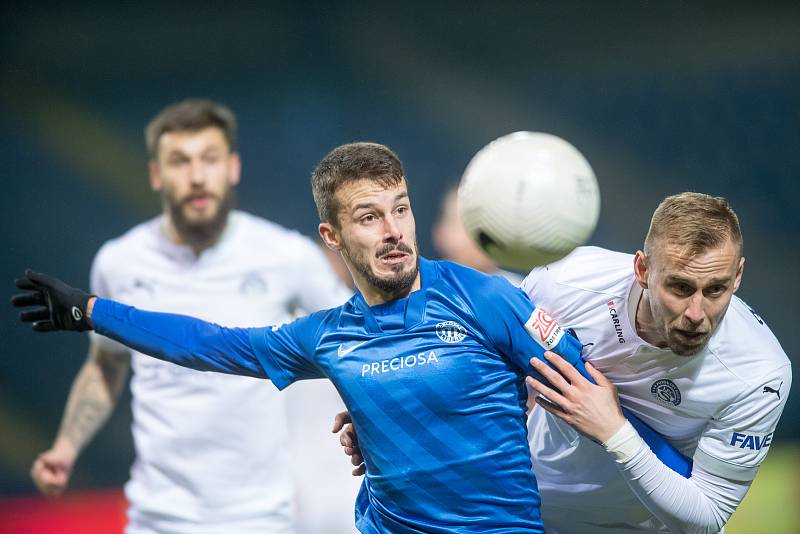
point(264, 241)
point(588, 273)
point(467, 279)
point(121, 249)
point(252, 227)
point(747, 348)
point(586, 267)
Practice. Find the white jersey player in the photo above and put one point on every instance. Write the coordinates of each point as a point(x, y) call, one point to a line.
point(693, 361)
point(213, 452)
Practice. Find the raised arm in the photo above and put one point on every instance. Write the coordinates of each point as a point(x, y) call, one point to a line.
point(53, 305)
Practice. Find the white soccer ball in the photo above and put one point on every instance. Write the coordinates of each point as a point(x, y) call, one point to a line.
point(528, 199)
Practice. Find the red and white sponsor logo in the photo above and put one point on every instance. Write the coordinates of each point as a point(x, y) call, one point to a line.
point(544, 329)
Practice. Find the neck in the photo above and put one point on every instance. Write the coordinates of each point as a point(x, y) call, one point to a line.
point(645, 325)
point(374, 296)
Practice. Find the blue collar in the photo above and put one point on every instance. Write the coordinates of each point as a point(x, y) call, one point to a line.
point(415, 302)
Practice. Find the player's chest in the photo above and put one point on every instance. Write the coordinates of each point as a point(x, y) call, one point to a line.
point(226, 294)
point(443, 354)
point(676, 395)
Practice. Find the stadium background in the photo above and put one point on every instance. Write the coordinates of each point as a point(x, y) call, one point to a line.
point(660, 97)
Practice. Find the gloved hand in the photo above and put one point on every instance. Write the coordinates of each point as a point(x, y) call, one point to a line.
point(57, 305)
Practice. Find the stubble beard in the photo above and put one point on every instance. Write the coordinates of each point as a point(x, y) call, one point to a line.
point(399, 284)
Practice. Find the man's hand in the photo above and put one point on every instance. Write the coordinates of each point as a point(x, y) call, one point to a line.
point(52, 304)
point(52, 469)
point(349, 441)
point(592, 409)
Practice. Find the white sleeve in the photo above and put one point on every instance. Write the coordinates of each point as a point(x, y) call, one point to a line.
point(729, 452)
point(736, 441)
point(99, 285)
point(702, 503)
point(318, 287)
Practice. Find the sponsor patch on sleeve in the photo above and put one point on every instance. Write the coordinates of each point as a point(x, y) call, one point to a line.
point(754, 442)
point(544, 329)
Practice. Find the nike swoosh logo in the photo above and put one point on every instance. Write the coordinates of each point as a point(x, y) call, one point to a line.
point(344, 352)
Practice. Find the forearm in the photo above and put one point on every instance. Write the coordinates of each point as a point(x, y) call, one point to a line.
point(91, 400)
point(178, 339)
point(701, 503)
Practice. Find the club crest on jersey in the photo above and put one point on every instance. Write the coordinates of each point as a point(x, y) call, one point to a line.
point(666, 391)
point(450, 332)
point(754, 442)
point(252, 284)
point(544, 329)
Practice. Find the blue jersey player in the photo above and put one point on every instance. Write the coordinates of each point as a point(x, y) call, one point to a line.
point(429, 357)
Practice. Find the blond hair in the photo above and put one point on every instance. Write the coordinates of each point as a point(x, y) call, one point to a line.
point(695, 222)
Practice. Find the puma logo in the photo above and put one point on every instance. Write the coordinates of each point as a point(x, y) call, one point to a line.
point(777, 392)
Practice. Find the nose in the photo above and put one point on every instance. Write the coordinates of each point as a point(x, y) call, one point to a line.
point(197, 172)
point(391, 229)
point(694, 310)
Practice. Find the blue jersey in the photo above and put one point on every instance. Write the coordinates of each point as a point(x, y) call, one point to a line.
point(434, 383)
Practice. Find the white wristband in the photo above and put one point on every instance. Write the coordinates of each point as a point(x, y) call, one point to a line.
point(624, 443)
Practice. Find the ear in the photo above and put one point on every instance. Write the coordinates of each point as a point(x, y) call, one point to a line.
point(330, 236)
point(234, 169)
point(739, 272)
point(155, 175)
point(640, 268)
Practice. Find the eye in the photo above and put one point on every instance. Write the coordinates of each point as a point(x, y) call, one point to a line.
point(211, 158)
point(682, 289)
point(401, 210)
point(177, 161)
point(368, 218)
point(716, 291)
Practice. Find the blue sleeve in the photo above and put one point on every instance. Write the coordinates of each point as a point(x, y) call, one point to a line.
point(179, 339)
point(519, 330)
point(287, 353)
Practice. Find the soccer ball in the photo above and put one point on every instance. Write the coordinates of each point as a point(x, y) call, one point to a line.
point(528, 199)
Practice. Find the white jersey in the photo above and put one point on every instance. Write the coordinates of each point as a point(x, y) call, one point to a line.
point(212, 449)
point(719, 407)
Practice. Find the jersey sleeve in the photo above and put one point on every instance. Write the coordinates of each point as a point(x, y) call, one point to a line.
point(519, 329)
point(318, 287)
point(99, 285)
point(737, 440)
point(178, 339)
point(287, 352)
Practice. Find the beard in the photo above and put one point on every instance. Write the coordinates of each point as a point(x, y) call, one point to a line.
point(204, 231)
point(399, 282)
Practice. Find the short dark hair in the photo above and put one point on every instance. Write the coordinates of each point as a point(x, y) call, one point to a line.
point(348, 163)
point(192, 115)
point(695, 222)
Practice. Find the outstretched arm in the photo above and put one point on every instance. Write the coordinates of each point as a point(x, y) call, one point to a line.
point(177, 339)
point(51, 305)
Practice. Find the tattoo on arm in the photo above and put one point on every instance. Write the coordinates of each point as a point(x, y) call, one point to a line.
point(94, 395)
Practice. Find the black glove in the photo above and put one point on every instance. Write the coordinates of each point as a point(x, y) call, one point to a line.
point(57, 305)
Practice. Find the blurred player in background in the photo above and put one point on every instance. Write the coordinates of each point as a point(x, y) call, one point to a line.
point(212, 451)
point(683, 353)
point(453, 243)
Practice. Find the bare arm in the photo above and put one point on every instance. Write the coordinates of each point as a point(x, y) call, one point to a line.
point(91, 400)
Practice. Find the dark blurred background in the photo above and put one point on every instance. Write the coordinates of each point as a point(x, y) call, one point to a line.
point(660, 96)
